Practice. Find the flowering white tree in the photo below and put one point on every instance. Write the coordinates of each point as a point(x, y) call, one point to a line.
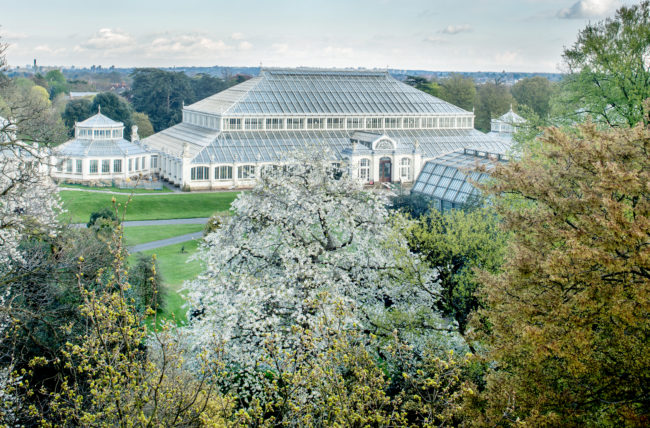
point(306, 240)
point(28, 202)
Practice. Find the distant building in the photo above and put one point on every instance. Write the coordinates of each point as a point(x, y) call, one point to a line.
point(99, 153)
point(505, 126)
point(74, 95)
point(382, 129)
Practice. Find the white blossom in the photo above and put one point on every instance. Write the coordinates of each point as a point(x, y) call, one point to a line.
point(297, 245)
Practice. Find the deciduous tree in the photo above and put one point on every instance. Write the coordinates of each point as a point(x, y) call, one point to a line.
point(493, 100)
point(609, 68)
point(76, 111)
point(459, 91)
point(566, 322)
point(115, 107)
point(534, 92)
point(298, 244)
point(455, 244)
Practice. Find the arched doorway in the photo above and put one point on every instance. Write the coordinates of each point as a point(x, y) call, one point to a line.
point(385, 170)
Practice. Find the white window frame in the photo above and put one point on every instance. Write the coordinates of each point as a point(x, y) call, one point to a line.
point(405, 169)
point(364, 169)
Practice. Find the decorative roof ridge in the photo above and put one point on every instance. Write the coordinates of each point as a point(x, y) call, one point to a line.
point(233, 89)
point(322, 70)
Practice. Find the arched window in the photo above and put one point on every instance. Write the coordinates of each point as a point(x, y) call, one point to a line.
point(405, 169)
point(364, 169)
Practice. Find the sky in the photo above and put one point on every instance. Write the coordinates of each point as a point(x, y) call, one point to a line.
point(445, 35)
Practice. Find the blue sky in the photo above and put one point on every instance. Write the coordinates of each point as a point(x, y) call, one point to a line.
point(461, 35)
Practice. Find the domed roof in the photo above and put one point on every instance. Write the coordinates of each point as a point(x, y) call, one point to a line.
point(99, 121)
point(511, 117)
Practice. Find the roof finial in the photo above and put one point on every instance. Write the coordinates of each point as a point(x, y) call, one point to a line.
point(510, 106)
point(99, 109)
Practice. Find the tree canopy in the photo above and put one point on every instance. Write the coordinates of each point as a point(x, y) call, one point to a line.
point(493, 100)
point(76, 111)
point(161, 94)
point(609, 68)
point(534, 92)
point(566, 323)
point(115, 107)
point(459, 91)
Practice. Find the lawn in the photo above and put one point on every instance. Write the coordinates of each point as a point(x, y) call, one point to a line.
point(165, 189)
point(135, 235)
point(174, 270)
point(79, 205)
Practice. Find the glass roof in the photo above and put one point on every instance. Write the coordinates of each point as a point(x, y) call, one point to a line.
point(99, 121)
point(449, 177)
point(78, 148)
point(314, 92)
point(270, 146)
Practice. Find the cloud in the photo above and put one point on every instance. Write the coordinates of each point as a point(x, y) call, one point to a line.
point(108, 38)
point(507, 58)
point(589, 9)
point(435, 40)
point(188, 45)
point(280, 48)
point(244, 45)
point(340, 52)
point(46, 49)
point(455, 29)
point(237, 36)
point(10, 35)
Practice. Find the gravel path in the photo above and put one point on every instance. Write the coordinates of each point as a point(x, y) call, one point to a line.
point(165, 242)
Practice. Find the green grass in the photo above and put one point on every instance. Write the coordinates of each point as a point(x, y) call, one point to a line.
point(174, 270)
point(112, 188)
point(79, 205)
point(135, 235)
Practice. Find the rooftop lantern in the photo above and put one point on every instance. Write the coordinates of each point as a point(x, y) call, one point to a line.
point(99, 127)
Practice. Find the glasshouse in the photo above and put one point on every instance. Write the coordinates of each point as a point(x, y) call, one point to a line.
point(381, 128)
point(505, 126)
point(449, 180)
point(99, 153)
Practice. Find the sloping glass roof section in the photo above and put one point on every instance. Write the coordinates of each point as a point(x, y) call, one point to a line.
point(174, 139)
point(99, 121)
point(450, 178)
point(99, 148)
point(273, 146)
point(323, 92)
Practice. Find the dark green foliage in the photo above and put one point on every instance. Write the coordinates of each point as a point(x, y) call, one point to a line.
point(146, 282)
point(534, 92)
point(455, 244)
point(413, 204)
point(204, 85)
point(105, 214)
point(424, 85)
point(160, 94)
point(45, 296)
point(494, 99)
point(116, 108)
point(76, 111)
